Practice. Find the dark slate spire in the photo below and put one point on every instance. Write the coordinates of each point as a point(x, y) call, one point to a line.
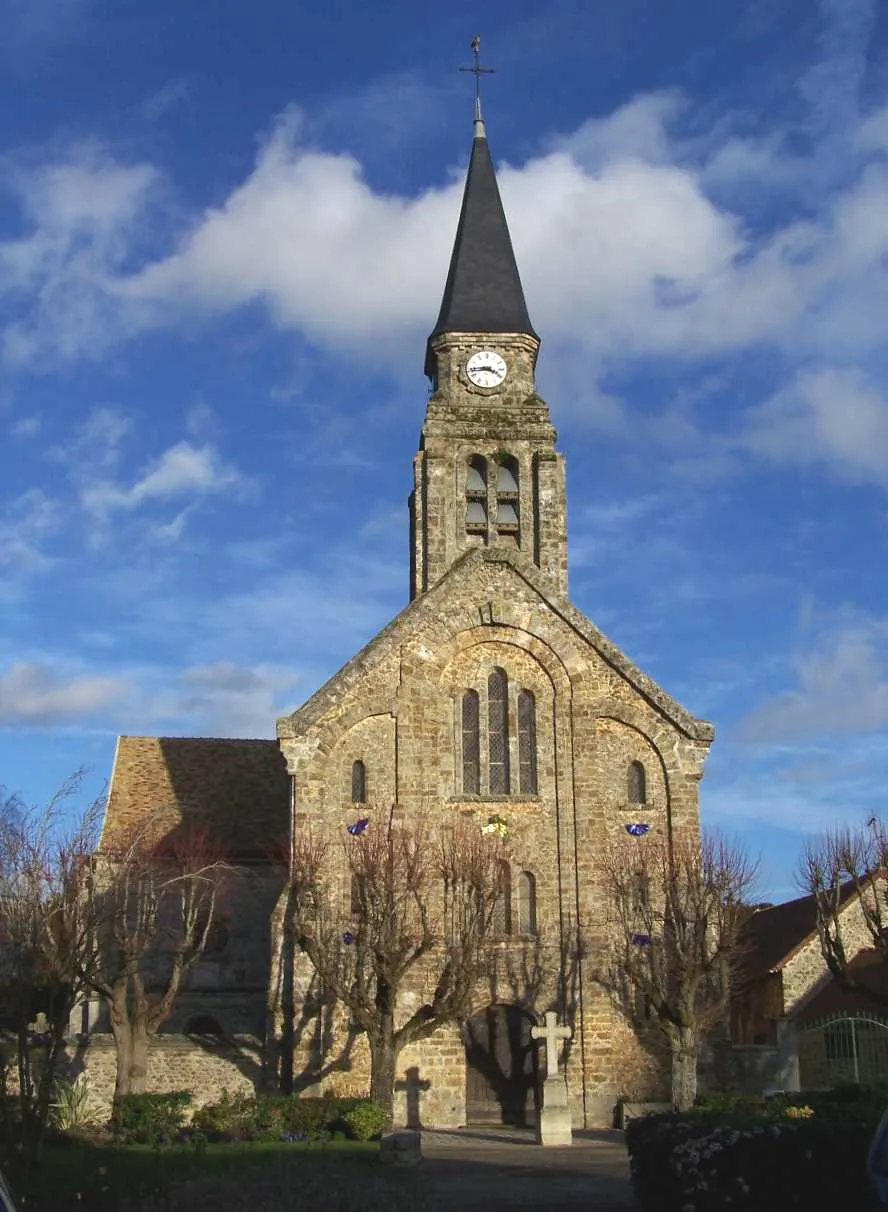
point(483, 291)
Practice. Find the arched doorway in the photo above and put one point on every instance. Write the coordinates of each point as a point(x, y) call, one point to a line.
point(501, 1069)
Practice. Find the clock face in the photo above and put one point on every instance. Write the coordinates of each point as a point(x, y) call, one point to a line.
point(486, 369)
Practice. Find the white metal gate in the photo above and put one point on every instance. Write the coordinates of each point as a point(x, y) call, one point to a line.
point(843, 1048)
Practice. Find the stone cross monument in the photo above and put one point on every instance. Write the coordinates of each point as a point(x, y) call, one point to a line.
point(554, 1126)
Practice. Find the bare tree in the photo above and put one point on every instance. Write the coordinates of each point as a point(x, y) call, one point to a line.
point(47, 929)
point(158, 905)
point(676, 940)
point(414, 908)
point(849, 864)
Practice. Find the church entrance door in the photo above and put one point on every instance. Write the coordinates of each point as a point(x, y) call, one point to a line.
point(501, 1071)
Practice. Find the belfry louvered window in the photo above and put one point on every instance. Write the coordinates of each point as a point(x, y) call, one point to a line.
point(471, 742)
point(507, 495)
point(527, 743)
point(476, 495)
point(636, 784)
point(498, 731)
point(359, 783)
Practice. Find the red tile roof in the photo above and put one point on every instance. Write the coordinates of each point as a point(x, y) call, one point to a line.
point(239, 789)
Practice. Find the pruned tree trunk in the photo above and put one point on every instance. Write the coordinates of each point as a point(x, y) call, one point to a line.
point(132, 1041)
point(684, 1048)
point(383, 1062)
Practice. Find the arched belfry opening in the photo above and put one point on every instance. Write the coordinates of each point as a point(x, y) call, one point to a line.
point(501, 1067)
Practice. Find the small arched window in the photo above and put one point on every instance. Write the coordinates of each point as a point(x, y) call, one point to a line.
point(359, 783)
point(636, 784)
point(501, 920)
point(355, 897)
point(507, 494)
point(527, 909)
point(527, 743)
point(498, 731)
point(476, 495)
point(471, 743)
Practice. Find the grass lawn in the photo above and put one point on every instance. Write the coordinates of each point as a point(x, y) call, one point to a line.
point(340, 1175)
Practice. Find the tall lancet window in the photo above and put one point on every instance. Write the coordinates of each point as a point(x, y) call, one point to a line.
point(527, 743)
point(471, 743)
point(527, 908)
point(476, 496)
point(498, 731)
point(507, 495)
point(636, 784)
point(501, 918)
point(359, 783)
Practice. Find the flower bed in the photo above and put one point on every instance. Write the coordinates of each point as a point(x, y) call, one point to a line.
point(784, 1155)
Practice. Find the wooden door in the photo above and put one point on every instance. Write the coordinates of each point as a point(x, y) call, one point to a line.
point(501, 1075)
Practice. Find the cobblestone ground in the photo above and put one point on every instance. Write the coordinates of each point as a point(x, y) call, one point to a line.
point(498, 1169)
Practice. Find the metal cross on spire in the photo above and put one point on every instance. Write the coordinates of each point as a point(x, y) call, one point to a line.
point(478, 71)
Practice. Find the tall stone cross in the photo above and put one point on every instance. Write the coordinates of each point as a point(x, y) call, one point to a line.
point(551, 1035)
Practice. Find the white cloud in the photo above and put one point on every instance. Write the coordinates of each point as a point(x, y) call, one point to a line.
point(622, 251)
point(834, 416)
point(638, 130)
point(26, 427)
point(181, 470)
point(169, 96)
point(96, 444)
point(218, 699)
point(32, 694)
point(25, 524)
point(226, 699)
point(84, 215)
point(841, 688)
point(625, 249)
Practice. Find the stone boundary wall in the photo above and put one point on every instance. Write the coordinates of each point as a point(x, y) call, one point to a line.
point(175, 1062)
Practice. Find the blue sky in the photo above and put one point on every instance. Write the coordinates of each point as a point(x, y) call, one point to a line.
point(224, 232)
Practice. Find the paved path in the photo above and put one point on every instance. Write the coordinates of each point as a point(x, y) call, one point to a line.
point(497, 1169)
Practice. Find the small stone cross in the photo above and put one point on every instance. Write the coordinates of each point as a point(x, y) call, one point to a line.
point(551, 1035)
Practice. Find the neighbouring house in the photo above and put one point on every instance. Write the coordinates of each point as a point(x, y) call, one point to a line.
point(793, 1026)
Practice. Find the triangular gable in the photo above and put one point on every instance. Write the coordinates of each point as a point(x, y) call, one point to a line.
point(412, 617)
point(777, 934)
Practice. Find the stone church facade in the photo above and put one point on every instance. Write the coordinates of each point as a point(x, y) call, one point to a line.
point(489, 696)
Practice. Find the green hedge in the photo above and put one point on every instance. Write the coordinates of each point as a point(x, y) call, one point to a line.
point(154, 1118)
point(271, 1117)
point(783, 1157)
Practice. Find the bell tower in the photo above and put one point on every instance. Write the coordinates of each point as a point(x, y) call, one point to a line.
point(487, 472)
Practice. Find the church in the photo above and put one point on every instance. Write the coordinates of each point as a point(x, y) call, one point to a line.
point(489, 697)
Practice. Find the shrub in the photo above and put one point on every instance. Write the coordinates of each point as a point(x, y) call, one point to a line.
point(71, 1107)
point(729, 1104)
point(154, 1118)
point(694, 1163)
point(267, 1117)
point(365, 1120)
point(862, 1104)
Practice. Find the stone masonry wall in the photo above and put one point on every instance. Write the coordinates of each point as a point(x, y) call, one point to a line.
point(806, 972)
point(397, 709)
point(175, 1062)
